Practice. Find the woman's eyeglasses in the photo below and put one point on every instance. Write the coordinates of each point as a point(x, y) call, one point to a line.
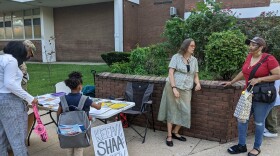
point(193, 46)
point(254, 45)
point(188, 68)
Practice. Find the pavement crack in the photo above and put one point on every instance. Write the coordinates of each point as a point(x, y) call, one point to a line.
point(194, 147)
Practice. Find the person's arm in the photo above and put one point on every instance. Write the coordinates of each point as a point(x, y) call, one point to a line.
point(275, 75)
point(96, 105)
point(238, 77)
point(196, 81)
point(172, 82)
point(10, 75)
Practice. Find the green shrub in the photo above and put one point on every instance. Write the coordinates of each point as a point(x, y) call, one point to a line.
point(121, 67)
point(260, 25)
point(175, 31)
point(273, 41)
point(225, 53)
point(114, 57)
point(156, 63)
point(144, 61)
point(199, 26)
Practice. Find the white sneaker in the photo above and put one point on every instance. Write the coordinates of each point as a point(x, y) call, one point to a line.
point(265, 130)
point(270, 135)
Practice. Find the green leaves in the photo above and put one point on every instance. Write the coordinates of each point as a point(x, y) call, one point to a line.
point(225, 53)
point(114, 57)
point(204, 20)
point(145, 61)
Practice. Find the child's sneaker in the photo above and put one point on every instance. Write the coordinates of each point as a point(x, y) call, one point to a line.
point(265, 130)
point(270, 135)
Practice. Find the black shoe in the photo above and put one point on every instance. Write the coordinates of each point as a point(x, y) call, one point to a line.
point(236, 149)
point(178, 138)
point(169, 143)
point(251, 154)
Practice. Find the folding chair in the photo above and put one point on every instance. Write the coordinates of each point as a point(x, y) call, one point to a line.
point(140, 93)
point(61, 87)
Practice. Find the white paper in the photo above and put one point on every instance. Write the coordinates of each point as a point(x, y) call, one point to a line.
point(94, 111)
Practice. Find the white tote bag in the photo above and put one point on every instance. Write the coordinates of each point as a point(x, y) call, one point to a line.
point(243, 107)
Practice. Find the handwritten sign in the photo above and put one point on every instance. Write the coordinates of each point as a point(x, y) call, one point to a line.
point(109, 139)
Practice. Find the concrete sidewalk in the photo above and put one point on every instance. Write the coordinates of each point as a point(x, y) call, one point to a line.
point(154, 145)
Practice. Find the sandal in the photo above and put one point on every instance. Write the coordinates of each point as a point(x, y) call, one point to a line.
point(251, 154)
point(169, 143)
point(236, 149)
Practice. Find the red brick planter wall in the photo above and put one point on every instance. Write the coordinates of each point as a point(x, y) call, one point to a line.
point(212, 107)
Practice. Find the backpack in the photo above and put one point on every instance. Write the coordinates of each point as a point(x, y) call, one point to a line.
point(77, 140)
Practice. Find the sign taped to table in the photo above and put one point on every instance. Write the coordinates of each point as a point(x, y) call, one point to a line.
point(109, 139)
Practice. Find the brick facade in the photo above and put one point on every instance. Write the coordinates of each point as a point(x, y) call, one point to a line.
point(244, 3)
point(212, 107)
point(130, 30)
point(84, 32)
point(152, 18)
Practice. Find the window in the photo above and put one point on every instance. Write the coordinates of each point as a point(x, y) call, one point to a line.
point(2, 31)
point(162, 1)
point(28, 28)
point(37, 27)
point(20, 24)
point(8, 26)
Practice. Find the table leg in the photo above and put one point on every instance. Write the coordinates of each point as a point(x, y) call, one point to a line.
point(53, 118)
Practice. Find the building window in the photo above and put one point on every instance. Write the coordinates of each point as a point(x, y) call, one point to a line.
point(2, 31)
point(20, 25)
point(162, 1)
point(8, 26)
point(37, 27)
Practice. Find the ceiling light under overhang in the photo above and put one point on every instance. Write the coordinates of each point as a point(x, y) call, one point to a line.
point(22, 1)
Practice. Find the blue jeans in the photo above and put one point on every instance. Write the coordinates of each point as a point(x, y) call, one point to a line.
point(260, 112)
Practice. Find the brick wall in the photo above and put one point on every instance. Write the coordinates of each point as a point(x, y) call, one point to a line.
point(244, 3)
point(84, 32)
point(130, 31)
point(38, 45)
point(212, 107)
point(152, 18)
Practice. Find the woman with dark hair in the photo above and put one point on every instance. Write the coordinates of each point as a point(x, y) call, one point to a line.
point(175, 106)
point(13, 117)
point(268, 71)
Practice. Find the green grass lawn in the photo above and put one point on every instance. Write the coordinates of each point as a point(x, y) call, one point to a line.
point(41, 82)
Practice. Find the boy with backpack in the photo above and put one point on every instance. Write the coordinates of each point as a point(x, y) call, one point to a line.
point(74, 109)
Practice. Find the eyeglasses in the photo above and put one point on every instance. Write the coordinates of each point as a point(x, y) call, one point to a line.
point(193, 46)
point(188, 67)
point(254, 45)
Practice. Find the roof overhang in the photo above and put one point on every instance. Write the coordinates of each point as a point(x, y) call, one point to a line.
point(10, 5)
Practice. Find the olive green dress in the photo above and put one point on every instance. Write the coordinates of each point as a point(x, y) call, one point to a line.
point(178, 110)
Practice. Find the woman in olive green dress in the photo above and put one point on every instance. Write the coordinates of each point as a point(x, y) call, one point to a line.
point(175, 106)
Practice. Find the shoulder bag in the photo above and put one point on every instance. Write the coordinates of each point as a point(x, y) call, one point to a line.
point(264, 92)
